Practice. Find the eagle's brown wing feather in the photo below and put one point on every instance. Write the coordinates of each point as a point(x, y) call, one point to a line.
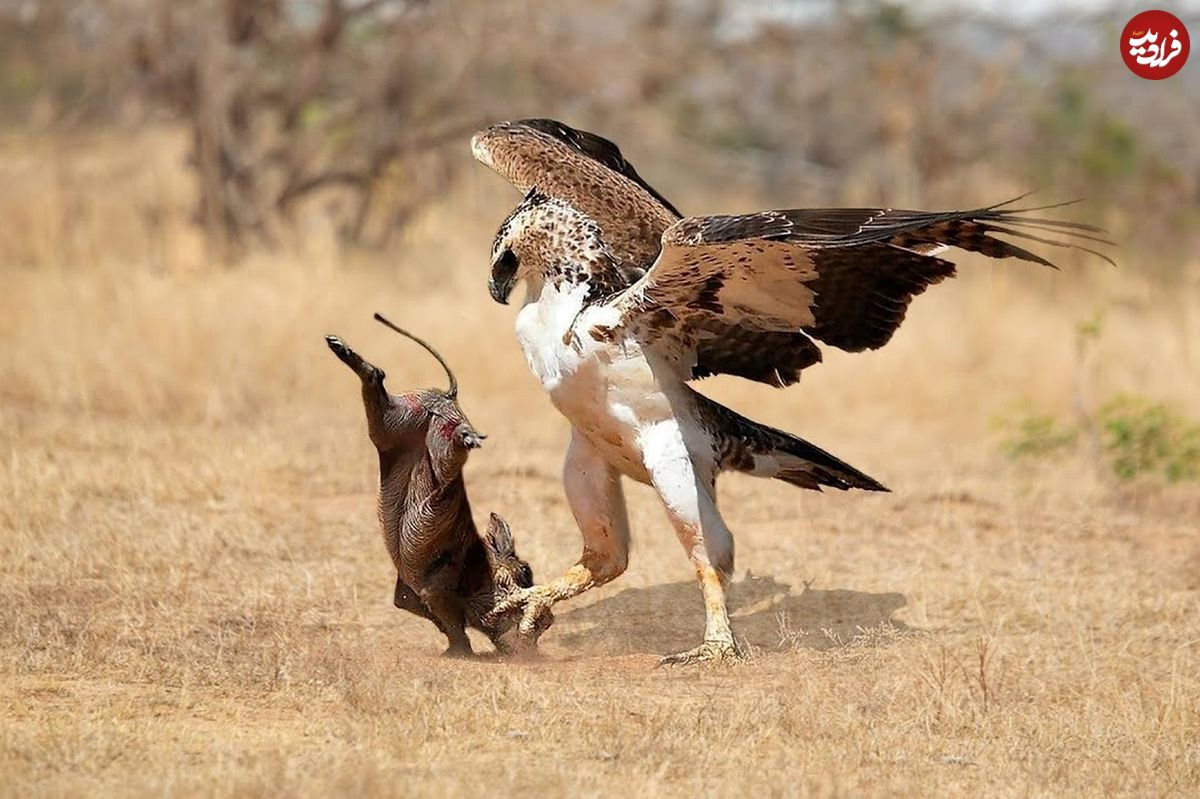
point(595, 147)
point(842, 276)
point(774, 358)
point(590, 173)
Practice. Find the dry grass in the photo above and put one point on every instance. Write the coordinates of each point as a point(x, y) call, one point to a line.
point(194, 597)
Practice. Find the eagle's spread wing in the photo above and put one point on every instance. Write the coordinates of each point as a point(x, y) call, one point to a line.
point(745, 295)
point(588, 172)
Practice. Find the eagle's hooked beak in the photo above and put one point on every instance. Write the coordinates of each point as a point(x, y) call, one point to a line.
point(503, 277)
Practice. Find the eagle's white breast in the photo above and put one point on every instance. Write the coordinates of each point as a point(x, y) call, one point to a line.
point(607, 389)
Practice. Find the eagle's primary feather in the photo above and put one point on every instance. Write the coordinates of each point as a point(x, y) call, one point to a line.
point(843, 276)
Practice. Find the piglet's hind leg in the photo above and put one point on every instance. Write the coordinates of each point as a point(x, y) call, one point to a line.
point(448, 615)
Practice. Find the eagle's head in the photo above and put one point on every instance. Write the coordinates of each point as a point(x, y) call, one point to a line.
point(543, 238)
point(518, 247)
point(505, 268)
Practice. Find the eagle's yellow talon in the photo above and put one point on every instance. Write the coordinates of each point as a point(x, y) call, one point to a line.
point(534, 603)
point(707, 652)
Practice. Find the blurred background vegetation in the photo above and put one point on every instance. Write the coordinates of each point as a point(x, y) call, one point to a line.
point(193, 137)
point(352, 115)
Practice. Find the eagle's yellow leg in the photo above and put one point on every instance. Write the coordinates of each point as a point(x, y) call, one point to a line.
point(593, 489)
point(535, 602)
point(719, 643)
point(690, 501)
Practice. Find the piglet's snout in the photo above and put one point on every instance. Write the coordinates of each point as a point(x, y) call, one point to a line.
point(470, 439)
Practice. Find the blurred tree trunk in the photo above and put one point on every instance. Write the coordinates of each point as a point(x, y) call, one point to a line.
point(284, 101)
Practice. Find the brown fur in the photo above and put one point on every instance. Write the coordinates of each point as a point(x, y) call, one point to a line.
point(445, 571)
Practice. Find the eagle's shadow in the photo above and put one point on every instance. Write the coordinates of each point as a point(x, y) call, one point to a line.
point(766, 613)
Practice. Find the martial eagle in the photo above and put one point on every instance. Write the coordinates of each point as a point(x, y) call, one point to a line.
point(628, 301)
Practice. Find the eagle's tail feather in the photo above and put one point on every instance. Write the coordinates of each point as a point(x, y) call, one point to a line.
point(796, 461)
point(747, 446)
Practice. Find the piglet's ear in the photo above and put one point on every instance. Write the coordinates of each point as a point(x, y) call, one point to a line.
point(498, 539)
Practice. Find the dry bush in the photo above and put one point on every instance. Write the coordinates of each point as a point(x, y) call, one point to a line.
point(340, 114)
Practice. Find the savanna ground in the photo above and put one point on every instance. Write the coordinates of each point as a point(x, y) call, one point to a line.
point(194, 597)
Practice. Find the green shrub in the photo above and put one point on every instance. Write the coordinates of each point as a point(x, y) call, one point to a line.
point(1146, 437)
point(1032, 435)
point(1140, 437)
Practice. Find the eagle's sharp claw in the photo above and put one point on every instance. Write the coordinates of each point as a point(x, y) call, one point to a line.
point(534, 604)
point(513, 601)
point(707, 652)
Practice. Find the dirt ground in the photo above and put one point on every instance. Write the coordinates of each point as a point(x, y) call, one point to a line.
point(194, 596)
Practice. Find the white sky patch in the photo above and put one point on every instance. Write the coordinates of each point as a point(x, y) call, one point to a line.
point(745, 15)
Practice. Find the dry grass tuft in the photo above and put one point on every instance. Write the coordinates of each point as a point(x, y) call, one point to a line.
point(194, 598)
